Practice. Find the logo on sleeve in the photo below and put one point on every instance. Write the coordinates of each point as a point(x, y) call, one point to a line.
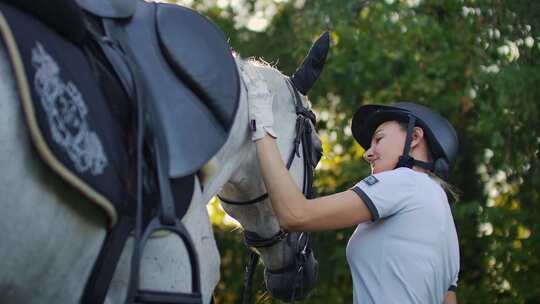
point(371, 180)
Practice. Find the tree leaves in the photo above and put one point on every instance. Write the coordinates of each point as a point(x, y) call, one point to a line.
point(474, 61)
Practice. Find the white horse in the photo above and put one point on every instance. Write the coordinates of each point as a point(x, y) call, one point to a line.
point(50, 235)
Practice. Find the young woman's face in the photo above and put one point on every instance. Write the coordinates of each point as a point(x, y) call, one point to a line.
point(386, 147)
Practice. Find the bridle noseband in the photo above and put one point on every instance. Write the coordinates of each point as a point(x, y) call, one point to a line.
point(304, 120)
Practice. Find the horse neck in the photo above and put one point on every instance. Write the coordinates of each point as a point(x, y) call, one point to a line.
point(237, 147)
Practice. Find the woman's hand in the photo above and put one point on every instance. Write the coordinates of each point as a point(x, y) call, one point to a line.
point(261, 117)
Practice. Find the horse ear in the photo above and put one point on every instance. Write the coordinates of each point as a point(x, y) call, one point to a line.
point(304, 78)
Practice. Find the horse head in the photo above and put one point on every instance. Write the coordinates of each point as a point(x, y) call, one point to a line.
point(290, 265)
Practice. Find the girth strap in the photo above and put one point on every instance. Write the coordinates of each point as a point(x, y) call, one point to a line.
point(105, 266)
point(98, 284)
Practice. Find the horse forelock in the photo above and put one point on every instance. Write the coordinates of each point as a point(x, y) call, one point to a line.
point(264, 69)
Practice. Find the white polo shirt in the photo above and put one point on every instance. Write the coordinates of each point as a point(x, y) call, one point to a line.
point(409, 253)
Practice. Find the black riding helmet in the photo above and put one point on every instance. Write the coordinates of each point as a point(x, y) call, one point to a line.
point(440, 135)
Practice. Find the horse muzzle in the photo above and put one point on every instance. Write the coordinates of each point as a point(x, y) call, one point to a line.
point(301, 276)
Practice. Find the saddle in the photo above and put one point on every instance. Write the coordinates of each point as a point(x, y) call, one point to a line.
point(112, 90)
point(184, 61)
point(196, 92)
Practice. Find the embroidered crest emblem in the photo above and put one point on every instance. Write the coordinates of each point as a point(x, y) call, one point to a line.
point(371, 180)
point(66, 114)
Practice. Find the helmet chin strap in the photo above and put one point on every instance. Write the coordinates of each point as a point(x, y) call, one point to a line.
point(406, 160)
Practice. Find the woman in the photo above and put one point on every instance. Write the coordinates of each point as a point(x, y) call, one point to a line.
point(405, 247)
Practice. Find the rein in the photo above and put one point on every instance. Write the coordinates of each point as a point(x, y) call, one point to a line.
point(303, 129)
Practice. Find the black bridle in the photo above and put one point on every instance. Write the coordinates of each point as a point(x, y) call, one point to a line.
point(305, 119)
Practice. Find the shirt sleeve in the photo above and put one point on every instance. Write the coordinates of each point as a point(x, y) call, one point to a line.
point(453, 286)
point(386, 193)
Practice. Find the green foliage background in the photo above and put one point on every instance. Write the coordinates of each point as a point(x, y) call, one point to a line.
point(476, 62)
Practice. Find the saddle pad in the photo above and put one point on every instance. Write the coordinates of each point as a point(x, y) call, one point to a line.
point(69, 119)
point(64, 16)
point(191, 80)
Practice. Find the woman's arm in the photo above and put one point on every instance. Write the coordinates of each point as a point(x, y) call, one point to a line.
point(451, 298)
point(293, 210)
